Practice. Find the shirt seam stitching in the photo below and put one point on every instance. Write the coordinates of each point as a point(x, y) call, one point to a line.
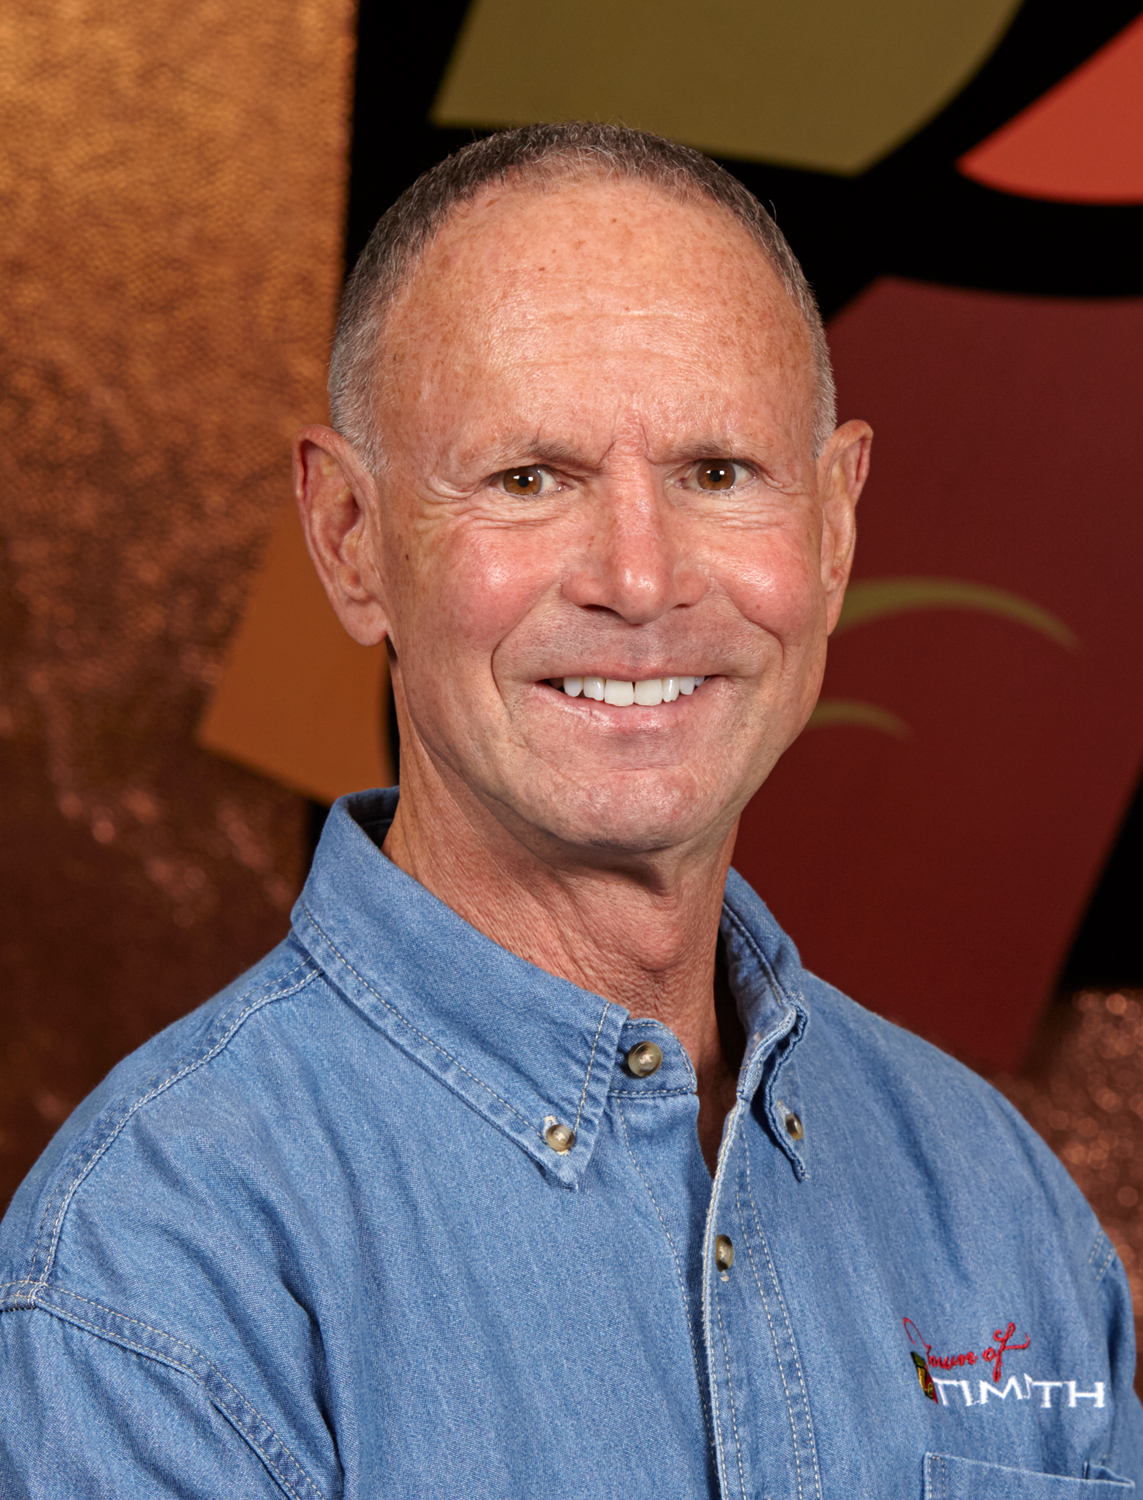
point(171, 1079)
point(777, 1348)
point(716, 1406)
point(744, 932)
point(418, 1032)
point(1101, 1238)
point(708, 1296)
point(145, 1352)
point(785, 1319)
point(647, 1093)
point(678, 1270)
point(792, 1002)
point(730, 1393)
point(591, 1063)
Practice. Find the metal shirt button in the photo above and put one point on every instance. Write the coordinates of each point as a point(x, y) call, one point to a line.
point(723, 1253)
point(794, 1126)
point(559, 1137)
point(644, 1059)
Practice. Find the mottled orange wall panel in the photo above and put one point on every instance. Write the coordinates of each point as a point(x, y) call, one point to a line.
point(171, 205)
point(299, 699)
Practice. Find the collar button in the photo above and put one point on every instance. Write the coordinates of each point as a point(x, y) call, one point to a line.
point(561, 1138)
point(644, 1059)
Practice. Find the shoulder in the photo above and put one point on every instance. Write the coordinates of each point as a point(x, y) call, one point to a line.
point(960, 1142)
point(881, 1059)
point(179, 1075)
point(882, 1064)
point(895, 1113)
point(173, 1222)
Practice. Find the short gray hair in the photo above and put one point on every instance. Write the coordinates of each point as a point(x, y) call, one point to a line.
point(545, 154)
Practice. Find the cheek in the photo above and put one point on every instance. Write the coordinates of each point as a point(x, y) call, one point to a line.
point(777, 587)
point(496, 582)
point(465, 588)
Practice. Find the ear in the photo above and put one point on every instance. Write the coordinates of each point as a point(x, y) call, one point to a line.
point(842, 471)
point(337, 502)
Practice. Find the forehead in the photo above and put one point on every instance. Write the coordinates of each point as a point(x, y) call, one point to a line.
point(590, 279)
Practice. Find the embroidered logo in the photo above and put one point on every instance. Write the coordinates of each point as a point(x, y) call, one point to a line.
point(992, 1356)
point(954, 1390)
point(995, 1356)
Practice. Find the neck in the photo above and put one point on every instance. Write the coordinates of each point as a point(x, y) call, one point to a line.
point(639, 930)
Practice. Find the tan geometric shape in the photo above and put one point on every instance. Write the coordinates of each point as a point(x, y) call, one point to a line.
point(300, 700)
point(828, 84)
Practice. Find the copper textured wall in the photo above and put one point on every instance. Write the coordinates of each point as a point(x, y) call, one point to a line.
point(171, 220)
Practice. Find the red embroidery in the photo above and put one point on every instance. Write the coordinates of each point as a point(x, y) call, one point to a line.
point(994, 1356)
point(1002, 1343)
point(939, 1361)
point(951, 1361)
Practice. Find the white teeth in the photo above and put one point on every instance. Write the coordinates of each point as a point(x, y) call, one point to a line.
point(648, 693)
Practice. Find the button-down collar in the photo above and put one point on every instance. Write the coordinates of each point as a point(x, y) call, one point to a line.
point(547, 1051)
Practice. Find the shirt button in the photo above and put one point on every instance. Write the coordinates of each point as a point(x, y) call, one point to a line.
point(560, 1138)
point(794, 1126)
point(644, 1059)
point(723, 1253)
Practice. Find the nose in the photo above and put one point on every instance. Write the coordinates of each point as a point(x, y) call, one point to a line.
point(636, 559)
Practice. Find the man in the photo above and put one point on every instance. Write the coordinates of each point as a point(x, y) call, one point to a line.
point(424, 1204)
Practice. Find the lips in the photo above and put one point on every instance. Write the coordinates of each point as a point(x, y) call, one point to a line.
point(621, 693)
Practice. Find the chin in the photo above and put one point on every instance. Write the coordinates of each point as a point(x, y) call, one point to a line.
point(622, 818)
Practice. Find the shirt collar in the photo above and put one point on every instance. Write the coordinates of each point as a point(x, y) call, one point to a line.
point(767, 980)
point(522, 1047)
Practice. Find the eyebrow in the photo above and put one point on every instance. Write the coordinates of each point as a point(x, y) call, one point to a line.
point(714, 445)
point(560, 453)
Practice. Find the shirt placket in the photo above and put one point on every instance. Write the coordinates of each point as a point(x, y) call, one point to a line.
point(654, 1103)
point(758, 1396)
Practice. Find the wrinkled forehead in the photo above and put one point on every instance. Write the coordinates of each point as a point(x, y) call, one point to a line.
point(585, 232)
point(615, 264)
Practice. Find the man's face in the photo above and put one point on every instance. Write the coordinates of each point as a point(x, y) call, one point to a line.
point(596, 418)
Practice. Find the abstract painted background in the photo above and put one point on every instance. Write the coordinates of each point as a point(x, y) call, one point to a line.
point(952, 839)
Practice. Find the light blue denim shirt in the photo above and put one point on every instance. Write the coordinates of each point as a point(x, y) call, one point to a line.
point(313, 1240)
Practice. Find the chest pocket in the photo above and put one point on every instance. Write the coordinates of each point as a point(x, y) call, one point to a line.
point(949, 1478)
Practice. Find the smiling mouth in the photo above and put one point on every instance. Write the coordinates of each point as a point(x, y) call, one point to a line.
point(648, 693)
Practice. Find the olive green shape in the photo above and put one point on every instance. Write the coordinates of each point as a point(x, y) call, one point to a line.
point(831, 85)
point(875, 598)
point(831, 711)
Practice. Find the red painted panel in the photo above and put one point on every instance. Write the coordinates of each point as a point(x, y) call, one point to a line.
point(939, 877)
point(1083, 141)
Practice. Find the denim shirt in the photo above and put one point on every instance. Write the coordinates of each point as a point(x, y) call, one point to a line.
point(315, 1240)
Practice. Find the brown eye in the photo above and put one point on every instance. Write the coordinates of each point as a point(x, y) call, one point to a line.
point(716, 475)
point(524, 481)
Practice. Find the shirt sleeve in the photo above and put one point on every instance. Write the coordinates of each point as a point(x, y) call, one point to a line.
point(82, 1417)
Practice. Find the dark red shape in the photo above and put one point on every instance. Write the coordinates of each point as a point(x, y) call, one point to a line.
point(939, 879)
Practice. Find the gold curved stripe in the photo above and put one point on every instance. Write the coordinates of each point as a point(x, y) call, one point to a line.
point(831, 711)
point(874, 598)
